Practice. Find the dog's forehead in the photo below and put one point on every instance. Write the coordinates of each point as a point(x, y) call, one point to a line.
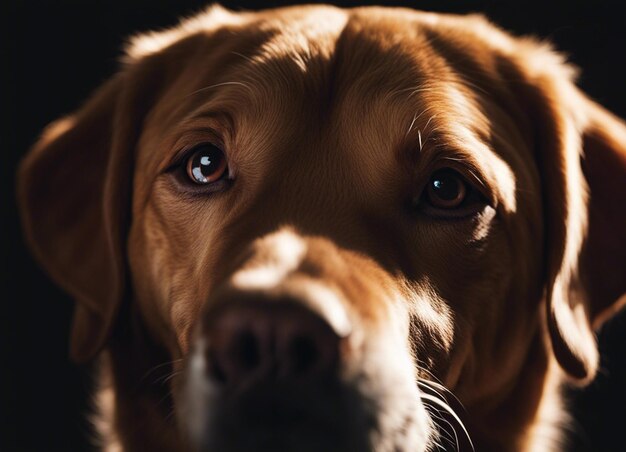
point(366, 78)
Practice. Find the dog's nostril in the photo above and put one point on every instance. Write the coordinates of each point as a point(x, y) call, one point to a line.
point(233, 354)
point(303, 354)
point(247, 348)
point(255, 342)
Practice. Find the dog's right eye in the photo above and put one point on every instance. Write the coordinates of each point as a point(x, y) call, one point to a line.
point(206, 164)
point(449, 195)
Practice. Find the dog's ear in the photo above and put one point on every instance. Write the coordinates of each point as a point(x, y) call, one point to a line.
point(74, 186)
point(580, 152)
point(587, 290)
point(603, 263)
point(73, 192)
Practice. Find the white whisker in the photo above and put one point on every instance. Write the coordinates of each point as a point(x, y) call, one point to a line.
point(428, 122)
point(438, 386)
point(160, 366)
point(245, 57)
point(217, 85)
point(451, 439)
point(411, 126)
point(435, 414)
point(448, 409)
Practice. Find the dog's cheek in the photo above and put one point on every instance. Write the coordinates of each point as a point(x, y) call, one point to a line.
point(501, 308)
point(481, 273)
point(151, 273)
point(173, 249)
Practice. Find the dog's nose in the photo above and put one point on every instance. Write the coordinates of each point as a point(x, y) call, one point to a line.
point(274, 341)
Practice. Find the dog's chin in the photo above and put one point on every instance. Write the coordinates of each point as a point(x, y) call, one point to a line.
point(284, 417)
point(280, 416)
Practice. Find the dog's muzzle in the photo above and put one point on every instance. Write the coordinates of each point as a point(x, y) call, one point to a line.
point(282, 361)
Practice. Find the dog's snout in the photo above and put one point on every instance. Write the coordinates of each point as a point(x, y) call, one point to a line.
point(256, 341)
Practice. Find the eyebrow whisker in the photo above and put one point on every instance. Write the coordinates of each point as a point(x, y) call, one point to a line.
point(415, 116)
point(245, 57)
point(217, 85)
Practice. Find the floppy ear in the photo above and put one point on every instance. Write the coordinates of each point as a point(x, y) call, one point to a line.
point(73, 193)
point(581, 156)
point(74, 187)
point(603, 266)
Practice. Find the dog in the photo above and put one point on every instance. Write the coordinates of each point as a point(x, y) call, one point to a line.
point(313, 228)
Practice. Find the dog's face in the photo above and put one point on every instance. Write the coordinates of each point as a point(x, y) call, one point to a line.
point(323, 212)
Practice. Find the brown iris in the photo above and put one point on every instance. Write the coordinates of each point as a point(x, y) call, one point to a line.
point(206, 164)
point(446, 189)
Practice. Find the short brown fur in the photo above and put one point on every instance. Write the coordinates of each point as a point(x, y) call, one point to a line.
point(332, 121)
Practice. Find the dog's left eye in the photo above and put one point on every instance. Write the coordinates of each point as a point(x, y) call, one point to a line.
point(206, 164)
point(449, 194)
point(446, 189)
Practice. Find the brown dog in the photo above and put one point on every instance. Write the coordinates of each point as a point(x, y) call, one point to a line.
point(303, 229)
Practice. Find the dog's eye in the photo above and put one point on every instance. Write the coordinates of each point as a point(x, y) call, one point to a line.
point(446, 189)
point(449, 195)
point(206, 164)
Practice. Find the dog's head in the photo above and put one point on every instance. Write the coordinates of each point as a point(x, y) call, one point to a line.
point(317, 213)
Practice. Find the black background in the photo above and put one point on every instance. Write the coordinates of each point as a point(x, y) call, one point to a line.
point(54, 53)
